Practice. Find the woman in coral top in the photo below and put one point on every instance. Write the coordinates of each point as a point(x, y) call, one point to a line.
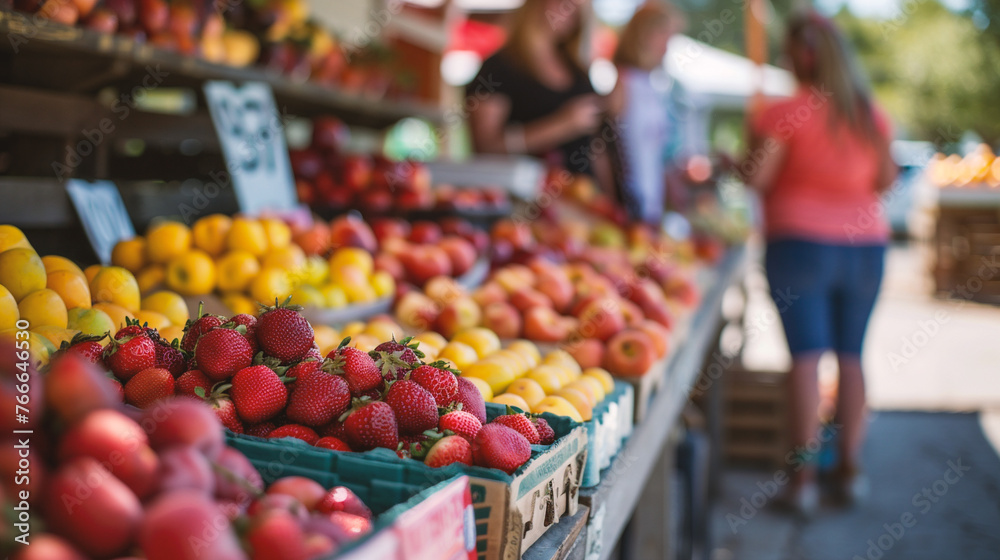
point(820, 160)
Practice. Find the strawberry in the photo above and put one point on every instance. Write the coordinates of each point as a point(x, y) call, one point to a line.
point(296, 431)
point(471, 399)
point(301, 371)
point(170, 358)
point(225, 410)
point(499, 447)
point(330, 442)
point(333, 429)
point(354, 526)
point(258, 393)
point(190, 380)
point(440, 382)
point(413, 405)
point(357, 367)
point(130, 355)
point(546, 435)
point(149, 386)
point(314, 353)
point(394, 359)
point(341, 498)
point(194, 329)
point(250, 323)
point(87, 347)
point(118, 388)
point(318, 399)
point(133, 328)
point(220, 353)
point(276, 535)
point(259, 430)
point(415, 446)
point(448, 450)
point(283, 333)
point(372, 425)
point(187, 513)
point(461, 423)
point(520, 423)
point(402, 350)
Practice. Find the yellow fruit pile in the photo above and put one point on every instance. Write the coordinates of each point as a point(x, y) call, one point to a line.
point(247, 261)
point(57, 300)
point(520, 376)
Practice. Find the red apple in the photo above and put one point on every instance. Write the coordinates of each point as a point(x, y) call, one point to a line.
point(461, 253)
point(408, 200)
point(389, 263)
point(528, 298)
point(501, 251)
point(682, 289)
point(479, 239)
point(588, 352)
point(503, 319)
point(517, 234)
point(329, 133)
point(153, 15)
point(388, 228)
point(424, 262)
point(396, 246)
point(339, 197)
point(425, 232)
point(457, 226)
point(543, 324)
point(376, 201)
point(351, 231)
point(457, 316)
point(306, 164)
point(630, 352)
point(659, 334)
point(356, 172)
point(315, 240)
point(602, 318)
point(554, 283)
point(632, 313)
point(488, 293)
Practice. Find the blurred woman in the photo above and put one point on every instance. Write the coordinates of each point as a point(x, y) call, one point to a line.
point(534, 95)
point(821, 160)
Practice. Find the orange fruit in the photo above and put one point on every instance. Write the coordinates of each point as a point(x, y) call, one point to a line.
point(240, 303)
point(277, 232)
point(12, 238)
point(580, 401)
point(248, 235)
point(290, 258)
point(235, 270)
point(499, 376)
point(170, 304)
point(22, 272)
point(270, 284)
point(334, 295)
point(116, 313)
point(482, 340)
point(509, 399)
point(327, 338)
point(344, 276)
point(114, 284)
point(549, 377)
point(353, 257)
point(430, 338)
point(527, 350)
point(71, 287)
point(8, 310)
point(94, 321)
point(153, 319)
point(166, 241)
point(192, 274)
point(55, 262)
point(130, 254)
point(172, 332)
point(91, 271)
point(383, 284)
point(461, 354)
point(484, 388)
point(527, 389)
point(209, 233)
point(151, 278)
point(606, 379)
point(359, 293)
point(43, 307)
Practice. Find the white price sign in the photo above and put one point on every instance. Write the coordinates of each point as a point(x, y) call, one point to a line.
point(253, 142)
point(102, 213)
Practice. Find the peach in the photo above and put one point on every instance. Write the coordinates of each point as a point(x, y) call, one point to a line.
point(602, 318)
point(503, 319)
point(425, 262)
point(461, 314)
point(461, 253)
point(543, 324)
point(554, 283)
point(490, 292)
point(588, 352)
point(658, 333)
point(416, 311)
point(632, 313)
point(630, 352)
point(527, 298)
point(443, 289)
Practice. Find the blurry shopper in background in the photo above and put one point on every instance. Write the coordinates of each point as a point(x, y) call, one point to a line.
point(640, 101)
point(535, 96)
point(820, 160)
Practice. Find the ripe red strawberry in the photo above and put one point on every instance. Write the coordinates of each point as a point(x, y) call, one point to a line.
point(220, 353)
point(330, 442)
point(194, 329)
point(170, 358)
point(190, 380)
point(249, 322)
point(413, 405)
point(118, 388)
point(499, 447)
point(341, 498)
point(149, 386)
point(276, 535)
point(258, 393)
point(301, 371)
point(133, 328)
point(354, 526)
point(546, 435)
point(296, 431)
point(130, 355)
point(225, 410)
point(370, 426)
point(402, 350)
point(440, 382)
point(318, 399)
point(471, 399)
point(357, 367)
point(461, 423)
point(448, 450)
point(521, 423)
point(283, 333)
point(415, 446)
point(333, 429)
point(87, 347)
point(259, 430)
point(394, 359)
point(314, 353)
point(188, 513)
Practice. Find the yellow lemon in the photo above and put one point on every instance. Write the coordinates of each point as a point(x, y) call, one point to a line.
point(192, 274)
point(327, 338)
point(527, 350)
point(91, 271)
point(307, 296)
point(484, 388)
point(563, 358)
point(55, 335)
point(43, 307)
point(170, 304)
point(354, 328)
point(497, 375)
point(153, 319)
point(12, 238)
point(334, 296)
point(459, 353)
point(172, 332)
point(549, 377)
point(290, 257)
point(71, 287)
point(383, 284)
point(94, 322)
point(8, 310)
point(166, 241)
point(347, 275)
point(509, 399)
point(209, 233)
point(240, 303)
point(579, 400)
point(247, 235)
point(527, 389)
point(235, 271)
point(359, 293)
point(55, 262)
point(39, 347)
point(114, 284)
point(270, 284)
point(277, 232)
point(116, 313)
point(130, 254)
point(482, 340)
point(151, 278)
point(353, 257)
point(22, 271)
point(316, 271)
point(560, 407)
point(432, 339)
point(606, 379)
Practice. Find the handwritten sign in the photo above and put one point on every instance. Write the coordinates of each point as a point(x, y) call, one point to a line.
point(102, 213)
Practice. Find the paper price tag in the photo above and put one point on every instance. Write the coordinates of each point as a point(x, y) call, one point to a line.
point(252, 136)
point(102, 213)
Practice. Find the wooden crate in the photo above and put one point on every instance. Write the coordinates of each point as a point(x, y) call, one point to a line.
point(967, 241)
point(754, 418)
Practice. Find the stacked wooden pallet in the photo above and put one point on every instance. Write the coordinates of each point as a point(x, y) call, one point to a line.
point(754, 418)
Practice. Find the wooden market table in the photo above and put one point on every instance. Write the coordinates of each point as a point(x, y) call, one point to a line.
point(638, 480)
point(967, 235)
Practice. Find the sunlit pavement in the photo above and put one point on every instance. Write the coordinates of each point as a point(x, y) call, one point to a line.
point(932, 371)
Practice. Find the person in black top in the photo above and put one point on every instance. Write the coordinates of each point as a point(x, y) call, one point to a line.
point(534, 95)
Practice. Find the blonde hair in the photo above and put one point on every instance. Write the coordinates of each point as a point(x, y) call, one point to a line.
point(522, 25)
point(632, 44)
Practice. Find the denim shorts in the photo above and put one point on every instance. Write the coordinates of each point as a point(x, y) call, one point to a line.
point(825, 293)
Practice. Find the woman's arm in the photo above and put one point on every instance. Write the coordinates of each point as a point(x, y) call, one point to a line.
point(490, 134)
point(887, 168)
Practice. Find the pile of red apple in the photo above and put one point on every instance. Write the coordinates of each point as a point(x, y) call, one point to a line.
point(109, 482)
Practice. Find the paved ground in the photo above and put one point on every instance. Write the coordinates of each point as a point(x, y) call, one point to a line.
point(932, 375)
